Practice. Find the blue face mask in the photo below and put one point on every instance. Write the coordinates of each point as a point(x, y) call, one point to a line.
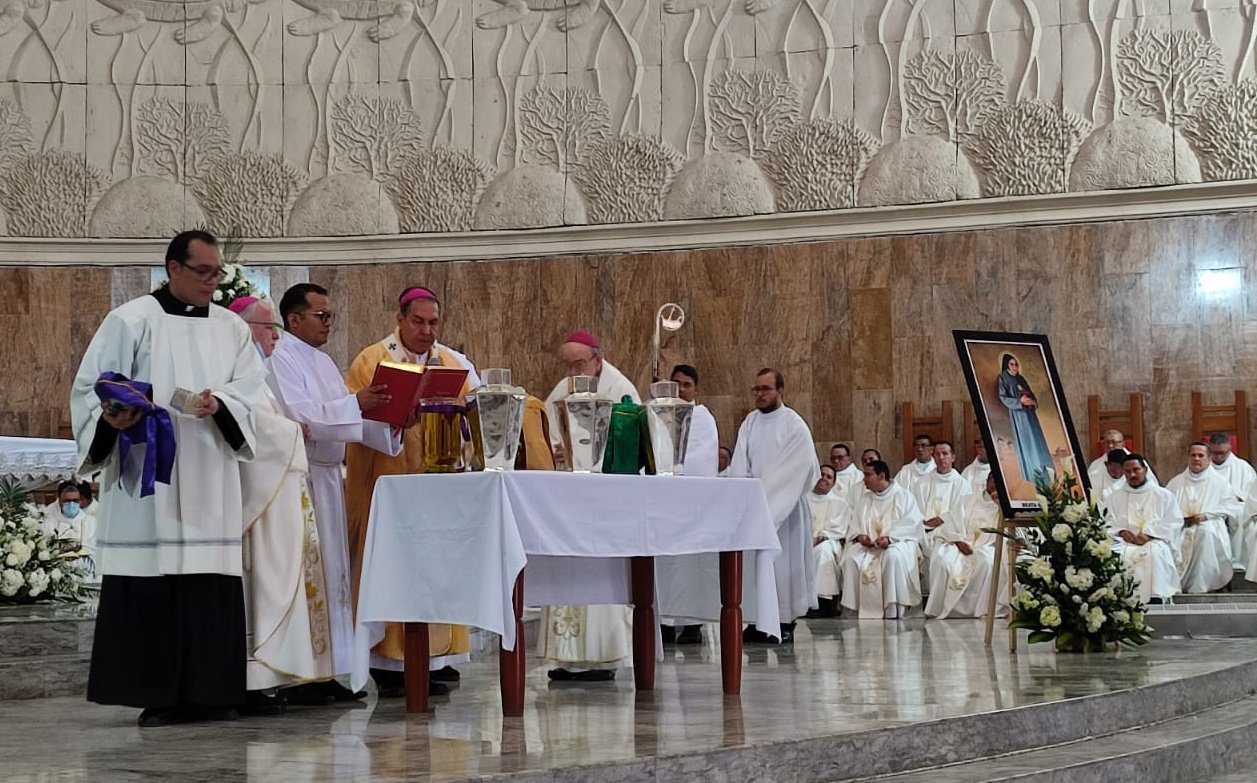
point(70, 509)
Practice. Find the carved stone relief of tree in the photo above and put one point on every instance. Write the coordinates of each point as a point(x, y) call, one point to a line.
point(750, 110)
point(559, 126)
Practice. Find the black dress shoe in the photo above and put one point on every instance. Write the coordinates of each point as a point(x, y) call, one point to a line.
point(752, 635)
point(337, 692)
point(690, 634)
point(586, 675)
point(668, 634)
point(445, 674)
point(258, 703)
point(311, 694)
point(389, 683)
point(153, 717)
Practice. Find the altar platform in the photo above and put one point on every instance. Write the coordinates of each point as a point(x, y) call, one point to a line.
point(846, 701)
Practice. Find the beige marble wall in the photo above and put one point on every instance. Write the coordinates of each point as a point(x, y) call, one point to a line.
point(1160, 306)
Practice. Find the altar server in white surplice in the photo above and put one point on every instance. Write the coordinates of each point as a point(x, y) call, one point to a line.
point(880, 578)
point(1240, 475)
point(683, 579)
point(831, 516)
point(775, 446)
point(962, 567)
point(847, 477)
point(589, 642)
point(312, 393)
point(1145, 519)
point(170, 625)
point(939, 492)
point(285, 598)
point(976, 472)
point(1208, 506)
point(921, 467)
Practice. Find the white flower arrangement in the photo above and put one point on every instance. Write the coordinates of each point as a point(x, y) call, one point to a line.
point(34, 565)
point(1073, 589)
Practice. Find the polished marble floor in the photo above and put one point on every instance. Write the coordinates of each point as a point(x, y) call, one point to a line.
point(839, 676)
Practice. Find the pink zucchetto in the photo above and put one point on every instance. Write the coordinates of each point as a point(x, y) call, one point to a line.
point(238, 306)
point(583, 338)
point(416, 292)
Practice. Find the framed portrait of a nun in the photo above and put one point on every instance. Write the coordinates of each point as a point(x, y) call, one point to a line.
point(1022, 415)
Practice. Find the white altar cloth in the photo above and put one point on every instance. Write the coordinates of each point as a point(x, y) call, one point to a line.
point(446, 548)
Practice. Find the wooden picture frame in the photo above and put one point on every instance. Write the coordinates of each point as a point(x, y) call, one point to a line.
point(1035, 429)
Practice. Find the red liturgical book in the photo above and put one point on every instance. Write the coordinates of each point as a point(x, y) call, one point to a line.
point(408, 384)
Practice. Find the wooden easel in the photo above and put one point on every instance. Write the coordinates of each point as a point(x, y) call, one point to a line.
point(1004, 526)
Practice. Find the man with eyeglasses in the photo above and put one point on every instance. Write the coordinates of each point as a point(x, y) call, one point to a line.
point(310, 388)
point(775, 446)
point(170, 625)
point(415, 340)
point(846, 474)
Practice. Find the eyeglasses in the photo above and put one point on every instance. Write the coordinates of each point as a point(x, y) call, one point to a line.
point(326, 316)
point(206, 273)
point(762, 389)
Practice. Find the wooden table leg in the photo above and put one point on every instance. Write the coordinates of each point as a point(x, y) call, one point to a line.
point(1012, 584)
point(417, 653)
point(511, 662)
point(989, 624)
point(731, 621)
point(644, 624)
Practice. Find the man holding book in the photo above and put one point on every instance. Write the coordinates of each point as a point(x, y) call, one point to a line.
point(310, 389)
point(414, 341)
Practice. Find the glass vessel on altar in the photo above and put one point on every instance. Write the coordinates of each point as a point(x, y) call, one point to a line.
point(496, 414)
point(443, 420)
point(584, 421)
point(668, 417)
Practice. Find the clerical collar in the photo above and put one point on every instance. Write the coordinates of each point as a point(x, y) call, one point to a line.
point(173, 305)
point(1201, 476)
point(885, 492)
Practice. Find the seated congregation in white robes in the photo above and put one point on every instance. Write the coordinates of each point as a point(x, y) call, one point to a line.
point(1145, 520)
point(963, 560)
point(1209, 510)
point(830, 517)
point(880, 576)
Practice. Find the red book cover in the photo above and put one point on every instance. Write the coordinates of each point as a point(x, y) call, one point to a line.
point(408, 384)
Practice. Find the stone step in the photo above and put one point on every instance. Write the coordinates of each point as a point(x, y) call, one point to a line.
point(1195, 746)
point(1204, 619)
point(40, 676)
point(53, 629)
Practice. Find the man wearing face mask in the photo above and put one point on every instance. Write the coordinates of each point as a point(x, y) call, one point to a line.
point(66, 517)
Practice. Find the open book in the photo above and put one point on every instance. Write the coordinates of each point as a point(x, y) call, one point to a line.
point(408, 384)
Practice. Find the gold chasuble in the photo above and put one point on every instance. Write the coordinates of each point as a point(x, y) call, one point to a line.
point(365, 465)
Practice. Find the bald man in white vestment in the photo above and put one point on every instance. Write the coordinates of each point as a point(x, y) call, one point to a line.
point(880, 577)
point(775, 446)
point(1145, 520)
point(1208, 506)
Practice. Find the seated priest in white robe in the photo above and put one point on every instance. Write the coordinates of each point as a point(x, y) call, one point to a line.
point(312, 393)
point(1248, 530)
point(939, 492)
point(847, 476)
point(689, 576)
point(921, 467)
point(1145, 520)
point(1111, 479)
point(288, 640)
point(880, 577)
point(962, 568)
point(1207, 505)
point(775, 446)
point(170, 624)
point(830, 517)
point(66, 517)
point(975, 472)
point(1240, 475)
point(1098, 471)
point(589, 642)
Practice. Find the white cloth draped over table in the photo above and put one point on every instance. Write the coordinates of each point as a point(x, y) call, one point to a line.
point(876, 581)
point(777, 448)
point(1240, 475)
point(311, 390)
point(679, 580)
point(454, 558)
point(831, 516)
point(1204, 550)
point(1153, 511)
point(702, 448)
point(960, 584)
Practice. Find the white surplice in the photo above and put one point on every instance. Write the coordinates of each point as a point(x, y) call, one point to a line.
point(1248, 533)
point(877, 582)
point(831, 515)
point(285, 610)
point(82, 528)
point(848, 481)
point(960, 584)
point(311, 390)
point(192, 525)
point(598, 635)
point(937, 494)
point(913, 472)
point(1100, 478)
point(777, 448)
point(684, 577)
point(975, 473)
point(1204, 550)
point(1240, 475)
point(1153, 511)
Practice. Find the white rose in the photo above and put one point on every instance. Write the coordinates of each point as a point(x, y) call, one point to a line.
point(55, 574)
point(45, 555)
point(1079, 579)
point(218, 295)
point(1100, 549)
point(1050, 616)
point(11, 560)
point(1061, 533)
point(1041, 569)
point(1121, 617)
point(1097, 595)
point(1095, 619)
point(1074, 514)
point(10, 582)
